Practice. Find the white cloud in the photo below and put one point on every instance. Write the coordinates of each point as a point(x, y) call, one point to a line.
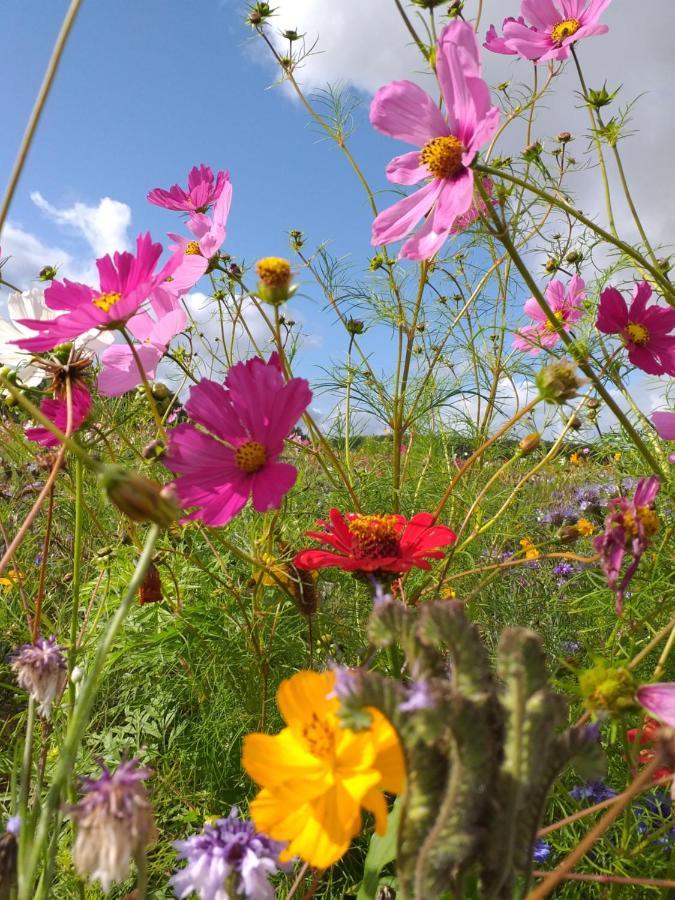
point(28, 255)
point(105, 227)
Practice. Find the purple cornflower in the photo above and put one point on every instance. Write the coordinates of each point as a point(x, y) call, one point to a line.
point(559, 515)
point(40, 669)
point(564, 570)
point(115, 823)
point(629, 527)
point(541, 851)
point(228, 859)
point(595, 791)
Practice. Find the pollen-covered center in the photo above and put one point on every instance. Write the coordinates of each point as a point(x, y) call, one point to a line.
point(320, 737)
point(273, 271)
point(565, 29)
point(649, 520)
point(443, 156)
point(374, 537)
point(250, 457)
point(560, 317)
point(637, 334)
point(192, 248)
point(106, 301)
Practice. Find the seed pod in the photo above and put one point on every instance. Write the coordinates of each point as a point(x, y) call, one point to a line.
point(150, 590)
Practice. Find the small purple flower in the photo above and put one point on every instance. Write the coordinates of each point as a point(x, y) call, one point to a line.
point(595, 791)
point(227, 860)
point(40, 669)
point(115, 823)
point(419, 696)
point(564, 570)
point(571, 648)
point(346, 683)
point(13, 825)
point(541, 851)
point(559, 515)
point(653, 811)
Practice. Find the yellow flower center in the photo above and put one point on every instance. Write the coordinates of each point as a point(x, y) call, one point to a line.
point(585, 528)
point(273, 271)
point(375, 537)
point(320, 737)
point(637, 334)
point(192, 248)
point(250, 457)
point(443, 156)
point(105, 302)
point(565, 29)
point(560, 316)
point(649, 519)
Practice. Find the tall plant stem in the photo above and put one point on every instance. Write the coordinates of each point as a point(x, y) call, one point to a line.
point(79, 721)
point(38, 107)
point(146, 384)
point(77, 566)
point(411, 29)
point(26, 776)
point(501, 232)
point(39, 597)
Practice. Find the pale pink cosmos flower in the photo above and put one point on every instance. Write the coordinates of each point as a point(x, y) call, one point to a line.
point(234, 453)
point(56, 410)
point(567, 308)
point(555, 25)
point(664, 422)
point(477, 209)
point(201, 191)
point(126, 280)
point(659, 701)
point(646, 332)
point(447, 145)
point(197, 253)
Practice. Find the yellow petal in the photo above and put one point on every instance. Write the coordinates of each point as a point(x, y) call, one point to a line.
point(272, 759)
point(305, 694)
point(375, 803)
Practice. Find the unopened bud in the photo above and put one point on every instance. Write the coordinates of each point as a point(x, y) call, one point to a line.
point(533, 151)
point(48, 273)
point(529, 443)
point(575, 423)
point(297, 239)
point(139, 498)
point(574, 256)
point(150, 590)
point(274, 285)
point(558, 382)
point(355, 326)
point(593, 403)
point(153, 450)
point(160, 391)
point(551, 265)
point(564, 137)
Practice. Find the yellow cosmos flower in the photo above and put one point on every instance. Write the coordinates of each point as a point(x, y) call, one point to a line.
point(316, 775)
point(576, 460)
point(585, 528)
point(529, 549)
point(13, 577)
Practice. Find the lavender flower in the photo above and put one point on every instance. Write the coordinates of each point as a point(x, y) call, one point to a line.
point(559, 515)
point(40, 669)
point(13, 825)
point(571, 648)
point(419, 697)
point(541, 851)
point(115, 823)
point(564, 570)
point(227, 860)
point(653, 811)
point(595, 791)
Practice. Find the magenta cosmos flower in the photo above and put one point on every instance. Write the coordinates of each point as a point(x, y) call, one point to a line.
point(125, 282)
point(629, 528)
point(645, 332)
point(659, 700)
point(565, 304)
point(555, 25)
point(56, 410)
point(201, 191)
point(447, 145)
point(234, 453)
point(664, 422)
point(198, 252)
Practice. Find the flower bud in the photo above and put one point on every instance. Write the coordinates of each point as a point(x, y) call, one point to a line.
point(153, 450)
point(575, 423)
point(533, 151)
point(529, 443)
point(564, 137)
point(574, 256)
point(551, 265)
point(608, 690)
point(160, 391)
point(274, 285)
point(355, 326)
point(603, 97)
point(137, 497)
point(431, 4)
point(150, 590)
point(259, 13)
point(558, 382)
point(48, 273)
point(297, 239)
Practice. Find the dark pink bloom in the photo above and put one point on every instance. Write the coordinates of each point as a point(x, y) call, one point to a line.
point(477, 209)
point(629, 528)
point(56, 409)
point(554, 26)
point(664, 422)
point(197, 253)
point(659, 700)
point(567, 308)
point(234, 454)
point(448, 145)
point(126, 281)
point(646, 332)
point(201, 191)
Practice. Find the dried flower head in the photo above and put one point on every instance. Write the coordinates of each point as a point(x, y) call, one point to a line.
point(40, 669)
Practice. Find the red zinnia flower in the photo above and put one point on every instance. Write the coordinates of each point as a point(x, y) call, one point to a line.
point(648, 734)
point(378, 544)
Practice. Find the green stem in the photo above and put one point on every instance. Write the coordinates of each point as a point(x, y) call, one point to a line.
point(26, 774)
point(146, 384)
point(80, 719)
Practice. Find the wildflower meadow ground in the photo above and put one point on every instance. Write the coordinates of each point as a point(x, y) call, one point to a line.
point(419, 646)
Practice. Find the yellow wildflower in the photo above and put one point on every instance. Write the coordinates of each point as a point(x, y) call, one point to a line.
point(529, 549)
point(12, 577)
point(576, 460)
point(585, 528)
point(316, 775)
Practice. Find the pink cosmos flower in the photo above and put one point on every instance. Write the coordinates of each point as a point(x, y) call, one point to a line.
point(234, 454)
point(629, 528)
point(664, 422)
point(659, 700)
point(196, 254)
point(119, 372)
point(567, 308)
point(555, 26)
point(448, 145)
point(645, 332)
point(201, 191)
point(125, 282)
point(56, 409)
point(477, 209)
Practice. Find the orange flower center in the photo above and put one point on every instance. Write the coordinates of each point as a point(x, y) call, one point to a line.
point(250, 457)
point(443, 156)
point(560, 316)
point(192, 248)
point(320, 737)
point(565, 29)
point(273, 271)
point(637, 334)
point(374, 537)
point(106, 301)
point(585, 528)
point(647, 518)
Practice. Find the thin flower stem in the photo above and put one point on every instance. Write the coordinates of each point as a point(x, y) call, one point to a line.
point(146, 384)
point(80, 719)
point(39, 597)
point(411, 29)
point(298, 881)
point(77, 559)
point(663, 659)
point(26, 776)
point(38, 107)
point(612, 879)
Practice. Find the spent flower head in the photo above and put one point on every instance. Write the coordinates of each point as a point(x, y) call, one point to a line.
point(40, 669)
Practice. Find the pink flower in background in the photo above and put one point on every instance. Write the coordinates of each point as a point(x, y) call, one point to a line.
point(646, 332)
point(56, 409)
point(201, 191)
point(659, 700)
point(404, 111)
point(477, 209)
point(664, 422)
point(566, 305)
point(234, 454)
point(196, 253)
point(629, 528)
point(555, 25)
point(126, 281)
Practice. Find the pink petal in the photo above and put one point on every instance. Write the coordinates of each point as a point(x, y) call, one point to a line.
point(119, 372)
point(394, 223)
point(404, 111)
point(659, 700)
point(532, 309)
point(595, 9)
point(541, 13)
point(612, 312)
point(407, 169)
point(645, 359)
point(271, 484)
point(642, 293)
point(454, 200)
point(209, 405)
point(664, 422)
